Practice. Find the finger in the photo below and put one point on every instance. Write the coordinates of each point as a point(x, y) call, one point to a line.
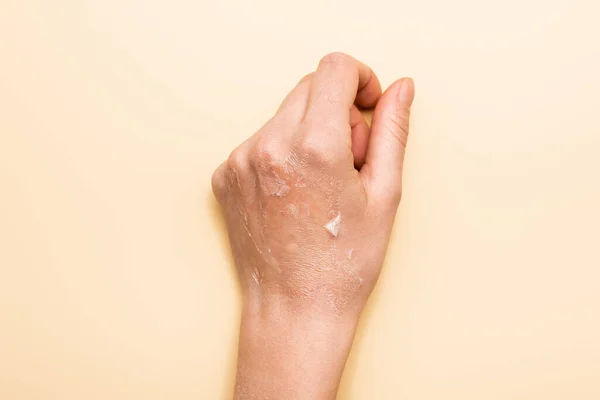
point(387, 142)
point(294, 104)
point(360, 137)
point(338, 83)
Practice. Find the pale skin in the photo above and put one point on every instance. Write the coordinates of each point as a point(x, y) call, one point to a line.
point(309, 201)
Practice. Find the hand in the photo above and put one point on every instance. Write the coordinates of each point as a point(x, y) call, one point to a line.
point(309, 202)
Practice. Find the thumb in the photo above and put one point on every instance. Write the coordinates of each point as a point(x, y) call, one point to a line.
point(389, 133)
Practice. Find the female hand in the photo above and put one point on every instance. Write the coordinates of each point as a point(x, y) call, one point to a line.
point(309, 202)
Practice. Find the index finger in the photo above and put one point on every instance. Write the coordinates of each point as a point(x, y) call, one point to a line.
point(339, 82)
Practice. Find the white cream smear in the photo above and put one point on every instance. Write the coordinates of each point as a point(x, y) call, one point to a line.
point(277, 186)
point(283, 190)
point(333, 226)
point(349, 254)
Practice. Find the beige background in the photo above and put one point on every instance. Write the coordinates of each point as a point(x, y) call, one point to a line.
point(115, 280)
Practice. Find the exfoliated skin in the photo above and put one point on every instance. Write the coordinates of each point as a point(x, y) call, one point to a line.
point(309, 202)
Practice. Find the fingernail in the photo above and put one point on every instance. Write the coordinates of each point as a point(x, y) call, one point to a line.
point(406, 93)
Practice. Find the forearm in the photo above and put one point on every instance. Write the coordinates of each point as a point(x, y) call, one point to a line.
point(287, 353)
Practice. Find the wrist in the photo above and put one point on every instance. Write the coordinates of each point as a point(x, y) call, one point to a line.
point(328, 306)
point(287, 351)
point(275, 316)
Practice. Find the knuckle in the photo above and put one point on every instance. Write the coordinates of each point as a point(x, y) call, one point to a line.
point(218, 182)
point(266, 154)
point(318, 152)
point(336, 58)
point(237, 160)
point(319, 144)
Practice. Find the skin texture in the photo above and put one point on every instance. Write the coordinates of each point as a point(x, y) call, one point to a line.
point(309, 202)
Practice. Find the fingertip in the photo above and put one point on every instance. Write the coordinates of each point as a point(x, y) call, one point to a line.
point(406, 91)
